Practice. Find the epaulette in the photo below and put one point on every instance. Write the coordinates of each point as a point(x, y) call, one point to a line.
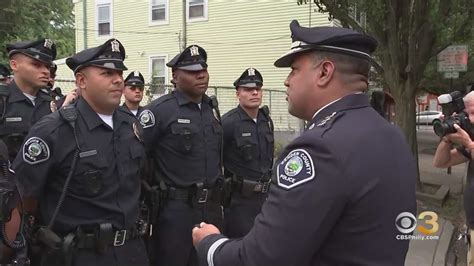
point(326, 123)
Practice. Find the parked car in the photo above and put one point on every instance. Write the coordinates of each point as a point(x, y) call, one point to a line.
point(428, 117)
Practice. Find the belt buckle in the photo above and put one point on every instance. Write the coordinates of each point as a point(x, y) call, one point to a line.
point(203, 195)
point(119, 238)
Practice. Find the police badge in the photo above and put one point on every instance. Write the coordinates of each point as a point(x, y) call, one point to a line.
point(53, 106)
point(138, 131)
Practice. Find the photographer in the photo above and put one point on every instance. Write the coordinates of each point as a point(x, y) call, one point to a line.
point(447, 156)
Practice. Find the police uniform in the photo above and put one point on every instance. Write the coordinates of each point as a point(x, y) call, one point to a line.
point(337, 189)
point(135, 79)
point(21, 112)
point(100, 207)
point(248, 159)
point(184, 141)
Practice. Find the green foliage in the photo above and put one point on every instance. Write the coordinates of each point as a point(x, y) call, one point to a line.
point(22, 20)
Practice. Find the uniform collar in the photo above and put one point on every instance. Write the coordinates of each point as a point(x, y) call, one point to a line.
point(351, 101)
point(245, 116)
point(91, 118)
point(183, 99)
point(16, 95)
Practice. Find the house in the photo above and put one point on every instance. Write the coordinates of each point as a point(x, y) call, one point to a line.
point(236, 35)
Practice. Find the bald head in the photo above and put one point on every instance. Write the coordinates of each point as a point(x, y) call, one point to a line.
point(469, 98)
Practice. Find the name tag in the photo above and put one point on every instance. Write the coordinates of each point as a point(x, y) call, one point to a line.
point(184, 121)
point(246, 134)
point(13, 119)
point(87, 153)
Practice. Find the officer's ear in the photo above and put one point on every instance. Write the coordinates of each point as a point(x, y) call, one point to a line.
point(325, 73)
point(81, 80)
point(14, 63)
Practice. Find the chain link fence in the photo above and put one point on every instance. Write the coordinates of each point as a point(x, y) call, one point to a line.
point(286, 125)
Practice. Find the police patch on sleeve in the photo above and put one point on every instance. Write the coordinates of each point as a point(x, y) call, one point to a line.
point(146, 118)
point(297, 168)
point(35, 151)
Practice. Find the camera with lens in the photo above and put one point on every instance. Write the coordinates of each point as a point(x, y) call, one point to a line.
point(452, 103)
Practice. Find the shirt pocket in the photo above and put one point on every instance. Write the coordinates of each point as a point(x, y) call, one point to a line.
point(88, 179)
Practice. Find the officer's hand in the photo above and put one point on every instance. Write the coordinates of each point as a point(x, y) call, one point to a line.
point(460, 137)
point(199, 233)
point(70, 97)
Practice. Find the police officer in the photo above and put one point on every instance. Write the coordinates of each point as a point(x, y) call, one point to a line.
point(248, 153)
point(133, 93)
point(339, 187)
point(183, 137)
point(81, 165)
point(5, 74)
point(25, 102)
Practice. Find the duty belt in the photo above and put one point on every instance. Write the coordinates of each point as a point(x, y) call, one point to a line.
point(248, 187)
point(195, 194)
point(105, 236)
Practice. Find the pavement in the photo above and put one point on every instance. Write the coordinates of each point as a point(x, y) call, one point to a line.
point(434, 251)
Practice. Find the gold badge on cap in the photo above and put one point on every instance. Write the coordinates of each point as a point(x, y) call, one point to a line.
point(251, 72)
point(194, 50)
point(115, 45)
point(48, 43)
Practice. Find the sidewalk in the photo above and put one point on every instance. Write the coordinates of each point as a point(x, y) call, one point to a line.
point(434, 252)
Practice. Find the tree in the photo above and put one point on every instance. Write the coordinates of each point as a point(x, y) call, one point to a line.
point(22, 20)
point(410, 33)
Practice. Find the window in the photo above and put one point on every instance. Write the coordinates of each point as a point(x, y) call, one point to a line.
point(158, 11)
point(358, 15)
point(104, 18)
point(159, 74)
point(196, 10)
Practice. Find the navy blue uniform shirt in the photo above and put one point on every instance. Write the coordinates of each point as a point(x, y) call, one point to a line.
point(183, 139)
point(248, 145)
point(105, 187)
point(337, 191)
point(20, 115)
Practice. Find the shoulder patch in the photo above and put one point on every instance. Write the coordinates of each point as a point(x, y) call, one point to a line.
point(146, 118)
point(297, 168)
point(35, 150)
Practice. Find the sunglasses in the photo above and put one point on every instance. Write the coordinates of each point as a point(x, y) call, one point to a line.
point(134, 88)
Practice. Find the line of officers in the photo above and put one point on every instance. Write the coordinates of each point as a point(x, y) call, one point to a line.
point(97, 179)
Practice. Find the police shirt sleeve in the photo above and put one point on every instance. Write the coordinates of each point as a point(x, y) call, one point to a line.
point(34, 160)
point(305, 200)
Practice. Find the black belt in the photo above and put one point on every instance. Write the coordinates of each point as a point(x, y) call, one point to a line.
point(105, 236)
point(248, 187)
point(197, 193)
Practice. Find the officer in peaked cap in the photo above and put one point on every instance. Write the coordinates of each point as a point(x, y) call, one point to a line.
point(5, 74)
point(99, 148)
point(248, 154)
point(183, 136)
point(340, 190)
point(133, 93)
point(25, 101)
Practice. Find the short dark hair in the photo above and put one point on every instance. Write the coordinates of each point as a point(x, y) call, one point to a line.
point(346, 64)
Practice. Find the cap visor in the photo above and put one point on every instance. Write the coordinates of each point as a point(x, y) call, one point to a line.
point(286, 59)
point(115, 66)
point(195, 67)
point(39, 58)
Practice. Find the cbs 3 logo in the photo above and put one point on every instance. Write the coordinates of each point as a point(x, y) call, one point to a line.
point(406, 222)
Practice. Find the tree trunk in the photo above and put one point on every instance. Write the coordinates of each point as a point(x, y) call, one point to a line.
point(405, 109)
